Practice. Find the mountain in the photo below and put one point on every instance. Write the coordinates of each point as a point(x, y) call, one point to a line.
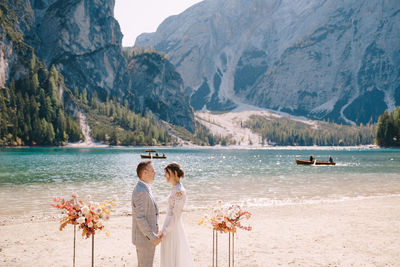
point(159, 88)
point(326, 60)
point(82, 40)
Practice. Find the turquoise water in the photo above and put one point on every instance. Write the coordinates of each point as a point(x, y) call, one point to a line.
point(30, 177)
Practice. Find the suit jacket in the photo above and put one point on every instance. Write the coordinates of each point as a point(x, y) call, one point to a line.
point(144, 217)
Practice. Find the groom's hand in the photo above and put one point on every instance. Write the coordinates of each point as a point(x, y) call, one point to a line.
point(157, 241)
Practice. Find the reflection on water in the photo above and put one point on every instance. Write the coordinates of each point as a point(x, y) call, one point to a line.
point(30, 177)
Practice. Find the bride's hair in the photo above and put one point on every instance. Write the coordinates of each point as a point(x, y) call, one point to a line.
point(175, 168)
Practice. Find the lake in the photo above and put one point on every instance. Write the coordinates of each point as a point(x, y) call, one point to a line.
point(30, 177)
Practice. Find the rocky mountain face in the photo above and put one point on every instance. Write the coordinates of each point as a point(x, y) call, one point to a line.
point(336, 60)
point(158, 87)
point(82, 40)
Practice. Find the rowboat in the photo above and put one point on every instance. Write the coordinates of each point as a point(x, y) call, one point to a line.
point(304, 162)
point(151, 156)
point(316, 162)
point(324, 162)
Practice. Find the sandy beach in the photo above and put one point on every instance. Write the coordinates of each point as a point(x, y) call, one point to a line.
point(347, 233)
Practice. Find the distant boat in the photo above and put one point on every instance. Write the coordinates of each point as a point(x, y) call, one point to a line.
point(324, 162)
point(316, 162)
point(151, 156)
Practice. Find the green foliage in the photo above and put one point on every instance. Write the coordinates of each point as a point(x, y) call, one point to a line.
point(31, 112)
point(131, 52)
point(284, 131)
point(114, 124)
point(13, 15)
point(388, 129)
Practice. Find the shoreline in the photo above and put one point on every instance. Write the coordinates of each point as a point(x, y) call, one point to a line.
point(124, 212)
point(353, 232)
point(237, 147)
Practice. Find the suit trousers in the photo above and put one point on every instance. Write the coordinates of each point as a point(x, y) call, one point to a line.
point(145, 256)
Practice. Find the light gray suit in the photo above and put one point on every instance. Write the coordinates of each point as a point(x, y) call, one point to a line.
point(144, 224)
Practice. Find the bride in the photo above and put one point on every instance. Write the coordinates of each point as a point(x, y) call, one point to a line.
point(175, 250)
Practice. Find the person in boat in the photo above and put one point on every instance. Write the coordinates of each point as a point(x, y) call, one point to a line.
point(163, 154)
point(311, 158)
point(156, 154)
point(330, 159)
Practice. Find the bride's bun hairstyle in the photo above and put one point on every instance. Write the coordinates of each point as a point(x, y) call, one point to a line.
point(175, 168)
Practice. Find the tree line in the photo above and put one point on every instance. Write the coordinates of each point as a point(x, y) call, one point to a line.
point(31, 110)
point(388, 129)
point(114, 123)
point(287, 132)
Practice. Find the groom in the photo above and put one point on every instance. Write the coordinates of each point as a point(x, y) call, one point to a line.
point(144, 216)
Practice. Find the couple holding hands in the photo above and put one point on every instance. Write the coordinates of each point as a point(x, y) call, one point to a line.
point(146, 236)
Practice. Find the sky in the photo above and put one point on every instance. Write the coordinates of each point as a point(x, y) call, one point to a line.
point(139, 16)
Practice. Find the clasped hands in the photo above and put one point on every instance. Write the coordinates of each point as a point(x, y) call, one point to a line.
point(158, 239)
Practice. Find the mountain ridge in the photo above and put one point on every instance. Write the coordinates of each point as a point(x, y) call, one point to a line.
point(327, 60)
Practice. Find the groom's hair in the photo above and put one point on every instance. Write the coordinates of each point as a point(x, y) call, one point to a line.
point(141, 166)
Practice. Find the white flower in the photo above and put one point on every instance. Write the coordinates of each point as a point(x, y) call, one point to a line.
point(228, 224)
point(90, 225)
point(99, 224)
point(85, 210)
point(92, 208)
point(98, 211)
point(230, 214)
point(80, 220)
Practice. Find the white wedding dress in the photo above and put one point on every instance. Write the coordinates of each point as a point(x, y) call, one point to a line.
point(175, 250)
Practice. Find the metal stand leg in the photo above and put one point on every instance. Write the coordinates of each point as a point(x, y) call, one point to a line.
point(213, 247)
point(92, 250)
point(229, 252)
point(73, 261)
point(233, 249)
point(216, 248)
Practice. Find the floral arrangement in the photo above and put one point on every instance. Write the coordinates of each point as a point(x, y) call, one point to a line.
point(226, 219)
point(88, 216)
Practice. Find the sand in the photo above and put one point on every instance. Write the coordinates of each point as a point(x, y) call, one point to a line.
point(230, 124)
point(362, 232)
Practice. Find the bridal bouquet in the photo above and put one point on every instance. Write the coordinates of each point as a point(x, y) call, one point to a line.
point(226, 219)
point(88, 216)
